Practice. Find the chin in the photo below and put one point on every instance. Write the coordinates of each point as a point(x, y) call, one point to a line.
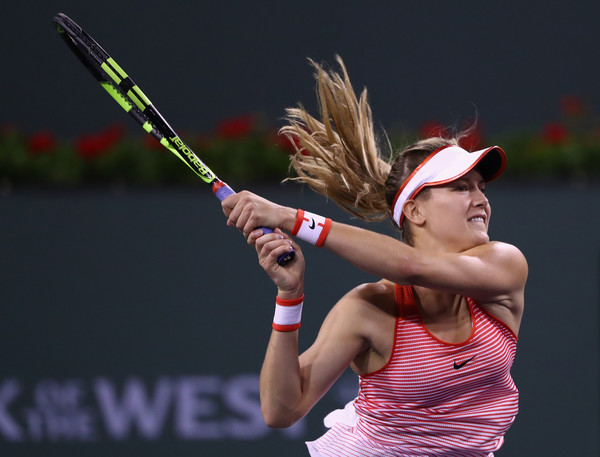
point(476, 241)
point(483, 239)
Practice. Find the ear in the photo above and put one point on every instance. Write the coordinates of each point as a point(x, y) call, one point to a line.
point(412, 212)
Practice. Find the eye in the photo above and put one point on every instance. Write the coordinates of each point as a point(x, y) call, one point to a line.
point(461, 188)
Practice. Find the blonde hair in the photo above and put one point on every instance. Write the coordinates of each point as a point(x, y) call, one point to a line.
point(338, 155)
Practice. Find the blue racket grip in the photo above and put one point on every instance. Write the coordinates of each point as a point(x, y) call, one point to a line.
point(222, 191)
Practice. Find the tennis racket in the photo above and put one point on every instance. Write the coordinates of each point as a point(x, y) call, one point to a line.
point(130, 97)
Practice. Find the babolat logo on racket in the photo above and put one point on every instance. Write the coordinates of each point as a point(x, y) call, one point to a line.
point(192, 159)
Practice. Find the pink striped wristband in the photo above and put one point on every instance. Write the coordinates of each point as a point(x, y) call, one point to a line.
point(311, 227)
point(288, 314)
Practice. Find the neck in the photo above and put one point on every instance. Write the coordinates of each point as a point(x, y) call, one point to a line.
point(435, 303)
point(446, 316)
point(433, 244)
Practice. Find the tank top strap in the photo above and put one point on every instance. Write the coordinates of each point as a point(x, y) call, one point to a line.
point(405, 301)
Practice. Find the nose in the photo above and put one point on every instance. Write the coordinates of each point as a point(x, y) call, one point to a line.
point(479, 199)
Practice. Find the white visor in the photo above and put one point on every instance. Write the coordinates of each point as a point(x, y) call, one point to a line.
point(446, 165)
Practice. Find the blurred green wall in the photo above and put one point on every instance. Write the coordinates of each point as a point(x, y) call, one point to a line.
point(134, 322)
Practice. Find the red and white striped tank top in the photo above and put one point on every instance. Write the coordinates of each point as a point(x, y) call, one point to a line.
point(432, 398)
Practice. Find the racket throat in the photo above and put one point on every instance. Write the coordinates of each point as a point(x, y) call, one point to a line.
point(221, 190)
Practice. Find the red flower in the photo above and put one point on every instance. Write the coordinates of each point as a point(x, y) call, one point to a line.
point(96, 144)
point(236, 127)
point(151, 143)
point(432, 129)
point(571, 106)
point(554, 133)
point(286, 143)
point(41, 142)
point(473, 141)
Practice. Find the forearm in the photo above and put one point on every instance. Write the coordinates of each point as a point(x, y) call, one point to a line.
point(287, 218)
point(280, 381)
point(373, 253)
point(377, 254)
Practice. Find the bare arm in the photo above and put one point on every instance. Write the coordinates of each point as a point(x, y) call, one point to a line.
point(494, 274)
point(290, 384)
point(490, 273)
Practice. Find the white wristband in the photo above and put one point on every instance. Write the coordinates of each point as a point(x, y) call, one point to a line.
point(311, 227)
point(288, 314)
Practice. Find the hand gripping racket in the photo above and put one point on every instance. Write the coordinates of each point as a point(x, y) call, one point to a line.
point(128, 94)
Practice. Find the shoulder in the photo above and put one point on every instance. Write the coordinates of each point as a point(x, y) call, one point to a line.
point(505, 249)
point(367, 313)
point(366, 306)
point(370, 295)
point(502, 254)
point(511, 271)
point(497, 248)
point(371, 290)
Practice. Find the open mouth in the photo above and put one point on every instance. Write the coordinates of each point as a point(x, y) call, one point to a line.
point(477, 219)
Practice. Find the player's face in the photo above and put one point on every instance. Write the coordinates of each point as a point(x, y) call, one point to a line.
point(457, 214)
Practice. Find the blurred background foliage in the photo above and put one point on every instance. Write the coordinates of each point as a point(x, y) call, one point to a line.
point(248, 149)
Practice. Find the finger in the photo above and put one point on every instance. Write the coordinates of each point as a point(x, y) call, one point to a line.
point(282, 233)
point(229, 203)
point(266, 242)
point(247, 220)
point(237, 218)
point(233, 214)
point(274, 250)
point(287, 236)
point(240, 209)
point(254, 235)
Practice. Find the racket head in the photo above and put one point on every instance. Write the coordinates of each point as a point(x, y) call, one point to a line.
point(122, 88)
point(87, 50)
point(127, 94)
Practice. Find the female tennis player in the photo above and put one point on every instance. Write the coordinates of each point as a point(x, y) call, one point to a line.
point(434, 340)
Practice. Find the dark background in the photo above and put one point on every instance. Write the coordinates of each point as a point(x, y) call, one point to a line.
point(509, 63)
point(151, 285)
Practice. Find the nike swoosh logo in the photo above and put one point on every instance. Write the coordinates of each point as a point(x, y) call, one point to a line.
point(312, 224)
point(458, 366)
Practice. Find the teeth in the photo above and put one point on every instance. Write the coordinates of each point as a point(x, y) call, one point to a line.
point(477, 219)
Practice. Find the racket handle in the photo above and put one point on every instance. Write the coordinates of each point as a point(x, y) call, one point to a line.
point(222, 191)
